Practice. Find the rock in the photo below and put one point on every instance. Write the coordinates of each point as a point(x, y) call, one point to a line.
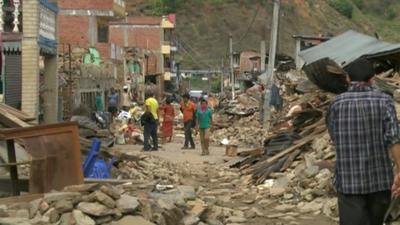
point(276, 215)
point(3, 211)
point(64, 206)
point(127, 204)
point(81, 188)
point(34, 207)
point(66, 219)
point(255, 211)
point(22, 213)
point(175, 197)
point(210, 200)
point(276, 191)
point(198, 207)
point(110, 191)
point(288, 196)
point(236, 219)
point(191, 220)
point(214, 222)
point(187, 192)
point(103, 219)
point(43, 207)
point(81, 218)
point(309, 207)
point(103, 199)
point(50, 198)
point(133, 220)
point(53, 215)
point(94, 209)
point(14, 221)
point(311, 171)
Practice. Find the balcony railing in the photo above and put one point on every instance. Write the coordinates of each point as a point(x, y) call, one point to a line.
point(10, 16)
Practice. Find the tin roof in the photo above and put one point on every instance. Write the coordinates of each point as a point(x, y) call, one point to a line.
point(348, 47)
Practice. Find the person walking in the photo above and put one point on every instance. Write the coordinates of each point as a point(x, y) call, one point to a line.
point(188, 108)
point(168, 113)
point(204, 120)
point(363, 126)
point(113, 102)
point(151, 123)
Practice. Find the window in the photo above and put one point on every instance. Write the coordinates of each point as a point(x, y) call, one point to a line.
point(102, 31)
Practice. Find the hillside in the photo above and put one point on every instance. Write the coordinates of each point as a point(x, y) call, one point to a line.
point(203, 26)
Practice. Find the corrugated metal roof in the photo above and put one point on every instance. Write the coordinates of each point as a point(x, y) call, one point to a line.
point(348, 47)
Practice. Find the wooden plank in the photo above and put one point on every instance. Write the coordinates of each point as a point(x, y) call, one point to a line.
point(13, 169)
point(304, 141)
point(20, 199)
point(19, 114)
point(35, 131)
point(290, 160)
point(10, 120)
point(297, 145)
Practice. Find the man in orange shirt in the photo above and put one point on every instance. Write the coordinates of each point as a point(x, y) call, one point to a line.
point(188, 109)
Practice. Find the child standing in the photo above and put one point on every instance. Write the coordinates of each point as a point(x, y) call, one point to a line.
point(204, 119)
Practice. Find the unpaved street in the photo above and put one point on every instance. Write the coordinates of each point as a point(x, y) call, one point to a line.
point(217, 180)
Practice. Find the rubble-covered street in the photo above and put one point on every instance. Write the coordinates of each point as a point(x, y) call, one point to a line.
point(199, 112)
point(175, 187)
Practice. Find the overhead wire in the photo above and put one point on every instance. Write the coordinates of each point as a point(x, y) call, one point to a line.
point(249, 26)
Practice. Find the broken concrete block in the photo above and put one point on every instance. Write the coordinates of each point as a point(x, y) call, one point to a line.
point(131, 220)
point(66, 219)
point(82, 219)
point(103, 199)
point(187, 192)
point(110, 191)
point(53, 215)
point(58, 196)
point(94, 209)
point(64, 206)
point(127, 204)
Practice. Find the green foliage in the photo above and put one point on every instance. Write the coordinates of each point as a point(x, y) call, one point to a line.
point(359, 4)
point(391, 14)
point(162, 7)
point(216, 86)
point(216, 2)
point(343, 7)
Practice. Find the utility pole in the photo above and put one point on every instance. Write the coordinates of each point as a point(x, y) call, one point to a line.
point(222, 75)
point(231, 66)
point(263, 51)
point(271, 63)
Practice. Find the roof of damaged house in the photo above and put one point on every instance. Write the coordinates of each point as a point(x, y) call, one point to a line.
point(348, 47)
point(326, 64)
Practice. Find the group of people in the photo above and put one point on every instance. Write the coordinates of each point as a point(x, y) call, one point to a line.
point(198, 117)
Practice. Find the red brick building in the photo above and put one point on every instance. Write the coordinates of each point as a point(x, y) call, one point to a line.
point(152, 35)
point(84, 23)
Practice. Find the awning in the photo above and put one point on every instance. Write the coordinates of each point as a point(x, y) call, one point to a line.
point(12, 46)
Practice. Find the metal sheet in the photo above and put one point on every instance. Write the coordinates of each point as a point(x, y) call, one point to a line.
point(13, 79)
point(348, 47)
point(56, 156)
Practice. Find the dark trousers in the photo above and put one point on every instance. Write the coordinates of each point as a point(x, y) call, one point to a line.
point(150, 130)
point(188, 133)
point(368, 209)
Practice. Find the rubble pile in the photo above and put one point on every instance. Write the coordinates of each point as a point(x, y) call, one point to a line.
point(143, 167)
point(92, 204)
point(238, 122)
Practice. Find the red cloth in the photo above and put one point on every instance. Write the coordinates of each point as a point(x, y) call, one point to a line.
point(168, 120)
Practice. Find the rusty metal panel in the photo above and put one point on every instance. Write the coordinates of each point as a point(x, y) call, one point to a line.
point(56, 155)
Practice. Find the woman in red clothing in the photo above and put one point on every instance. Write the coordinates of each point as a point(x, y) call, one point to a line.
point(168, 112)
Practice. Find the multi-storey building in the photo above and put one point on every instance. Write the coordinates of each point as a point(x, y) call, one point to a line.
point(153, 38)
